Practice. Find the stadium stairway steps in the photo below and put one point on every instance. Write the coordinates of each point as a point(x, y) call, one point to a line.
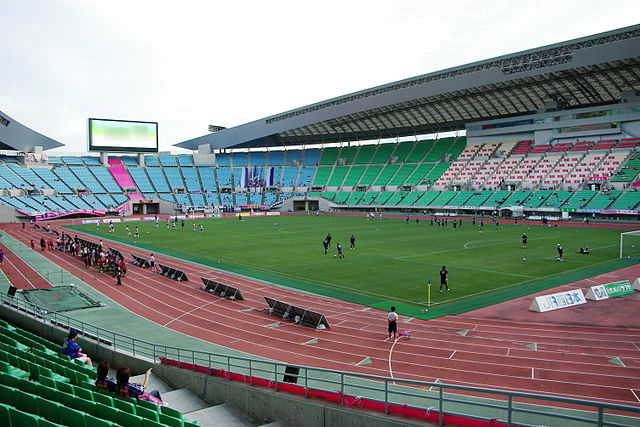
point(196, 409)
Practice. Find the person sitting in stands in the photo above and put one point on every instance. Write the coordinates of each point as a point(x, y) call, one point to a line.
point(126, 389)
point(103, 382)
point(73, 350)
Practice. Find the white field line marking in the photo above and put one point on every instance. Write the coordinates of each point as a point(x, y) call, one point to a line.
point(512, 285)
point(635, 395)
point(470, 268)
point(532, 373)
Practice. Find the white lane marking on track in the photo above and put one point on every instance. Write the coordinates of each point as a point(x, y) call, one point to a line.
point(635, 395)
point(188, 312)
point(25, 277)
point(390, 354)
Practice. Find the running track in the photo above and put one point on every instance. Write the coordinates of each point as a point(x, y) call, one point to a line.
point(480, 348)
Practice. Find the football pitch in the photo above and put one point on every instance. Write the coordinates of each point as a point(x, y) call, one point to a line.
point(393, 260)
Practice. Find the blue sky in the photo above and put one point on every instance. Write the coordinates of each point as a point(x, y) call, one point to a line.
point(193, 63)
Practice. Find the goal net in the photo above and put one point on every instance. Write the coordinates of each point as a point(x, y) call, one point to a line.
point(630, 244)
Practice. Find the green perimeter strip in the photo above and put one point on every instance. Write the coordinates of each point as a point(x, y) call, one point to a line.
point(445, 309)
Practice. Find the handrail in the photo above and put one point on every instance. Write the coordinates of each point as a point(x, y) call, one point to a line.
point(349, 387)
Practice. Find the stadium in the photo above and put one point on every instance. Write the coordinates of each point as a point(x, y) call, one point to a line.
point(529, 201)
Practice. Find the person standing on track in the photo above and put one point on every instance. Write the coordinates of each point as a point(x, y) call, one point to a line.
point(392, 319)
point(119, 274)
point(1, 256)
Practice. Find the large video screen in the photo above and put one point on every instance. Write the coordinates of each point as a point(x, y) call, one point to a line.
point(123, 136)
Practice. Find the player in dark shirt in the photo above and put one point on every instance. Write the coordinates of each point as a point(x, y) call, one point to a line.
point(444, 278)
point(352, 240)
point(524, 240)
point(339, 249)
point(325, 244)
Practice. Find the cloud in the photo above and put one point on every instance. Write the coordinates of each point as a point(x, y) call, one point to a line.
point(190, 64)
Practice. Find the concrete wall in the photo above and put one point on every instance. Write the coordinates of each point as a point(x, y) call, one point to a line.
point(261, 404)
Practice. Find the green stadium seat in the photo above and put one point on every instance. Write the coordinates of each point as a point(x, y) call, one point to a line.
point(5, 415)
point(72, 417)
point(23, 419)
point(89, 385)
point(92, 421)
point(6, 395)
point(172, 412)
point(126, 405)
point(383, 153)
point(147, 413)
point(65, 399)
point(47, 392)
point(46, 372)
point(171, 421)
point(103, 399)
point(86, 406)
point(148, 405)
point(83, 379)
point(106, 412)
point(65, 387)
point(43, 422)
point(12, 381)
point(30, 387)
point(49, 410)
point(83, 393)
point(129, 420)
point(12, 370)
point(25, 402)
point(49, 382)
point(150, 423)
point(5, 325)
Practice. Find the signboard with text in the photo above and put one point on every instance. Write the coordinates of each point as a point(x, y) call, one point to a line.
point(558, 300)
point(609, 290)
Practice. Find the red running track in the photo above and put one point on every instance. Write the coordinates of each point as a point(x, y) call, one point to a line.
point(476, 349)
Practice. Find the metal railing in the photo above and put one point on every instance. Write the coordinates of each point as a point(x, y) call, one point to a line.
point(433, 400)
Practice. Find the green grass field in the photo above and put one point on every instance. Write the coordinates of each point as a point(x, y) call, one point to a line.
point(392, 261)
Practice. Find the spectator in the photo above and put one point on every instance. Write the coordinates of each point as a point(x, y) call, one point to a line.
point(103, 382)
point(126, 389)
point(73, 350)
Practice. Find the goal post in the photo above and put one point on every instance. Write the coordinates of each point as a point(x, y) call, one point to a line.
point(630, 244)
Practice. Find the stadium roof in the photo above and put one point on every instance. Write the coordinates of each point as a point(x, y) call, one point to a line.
point(15, 136)
point(579, 73)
